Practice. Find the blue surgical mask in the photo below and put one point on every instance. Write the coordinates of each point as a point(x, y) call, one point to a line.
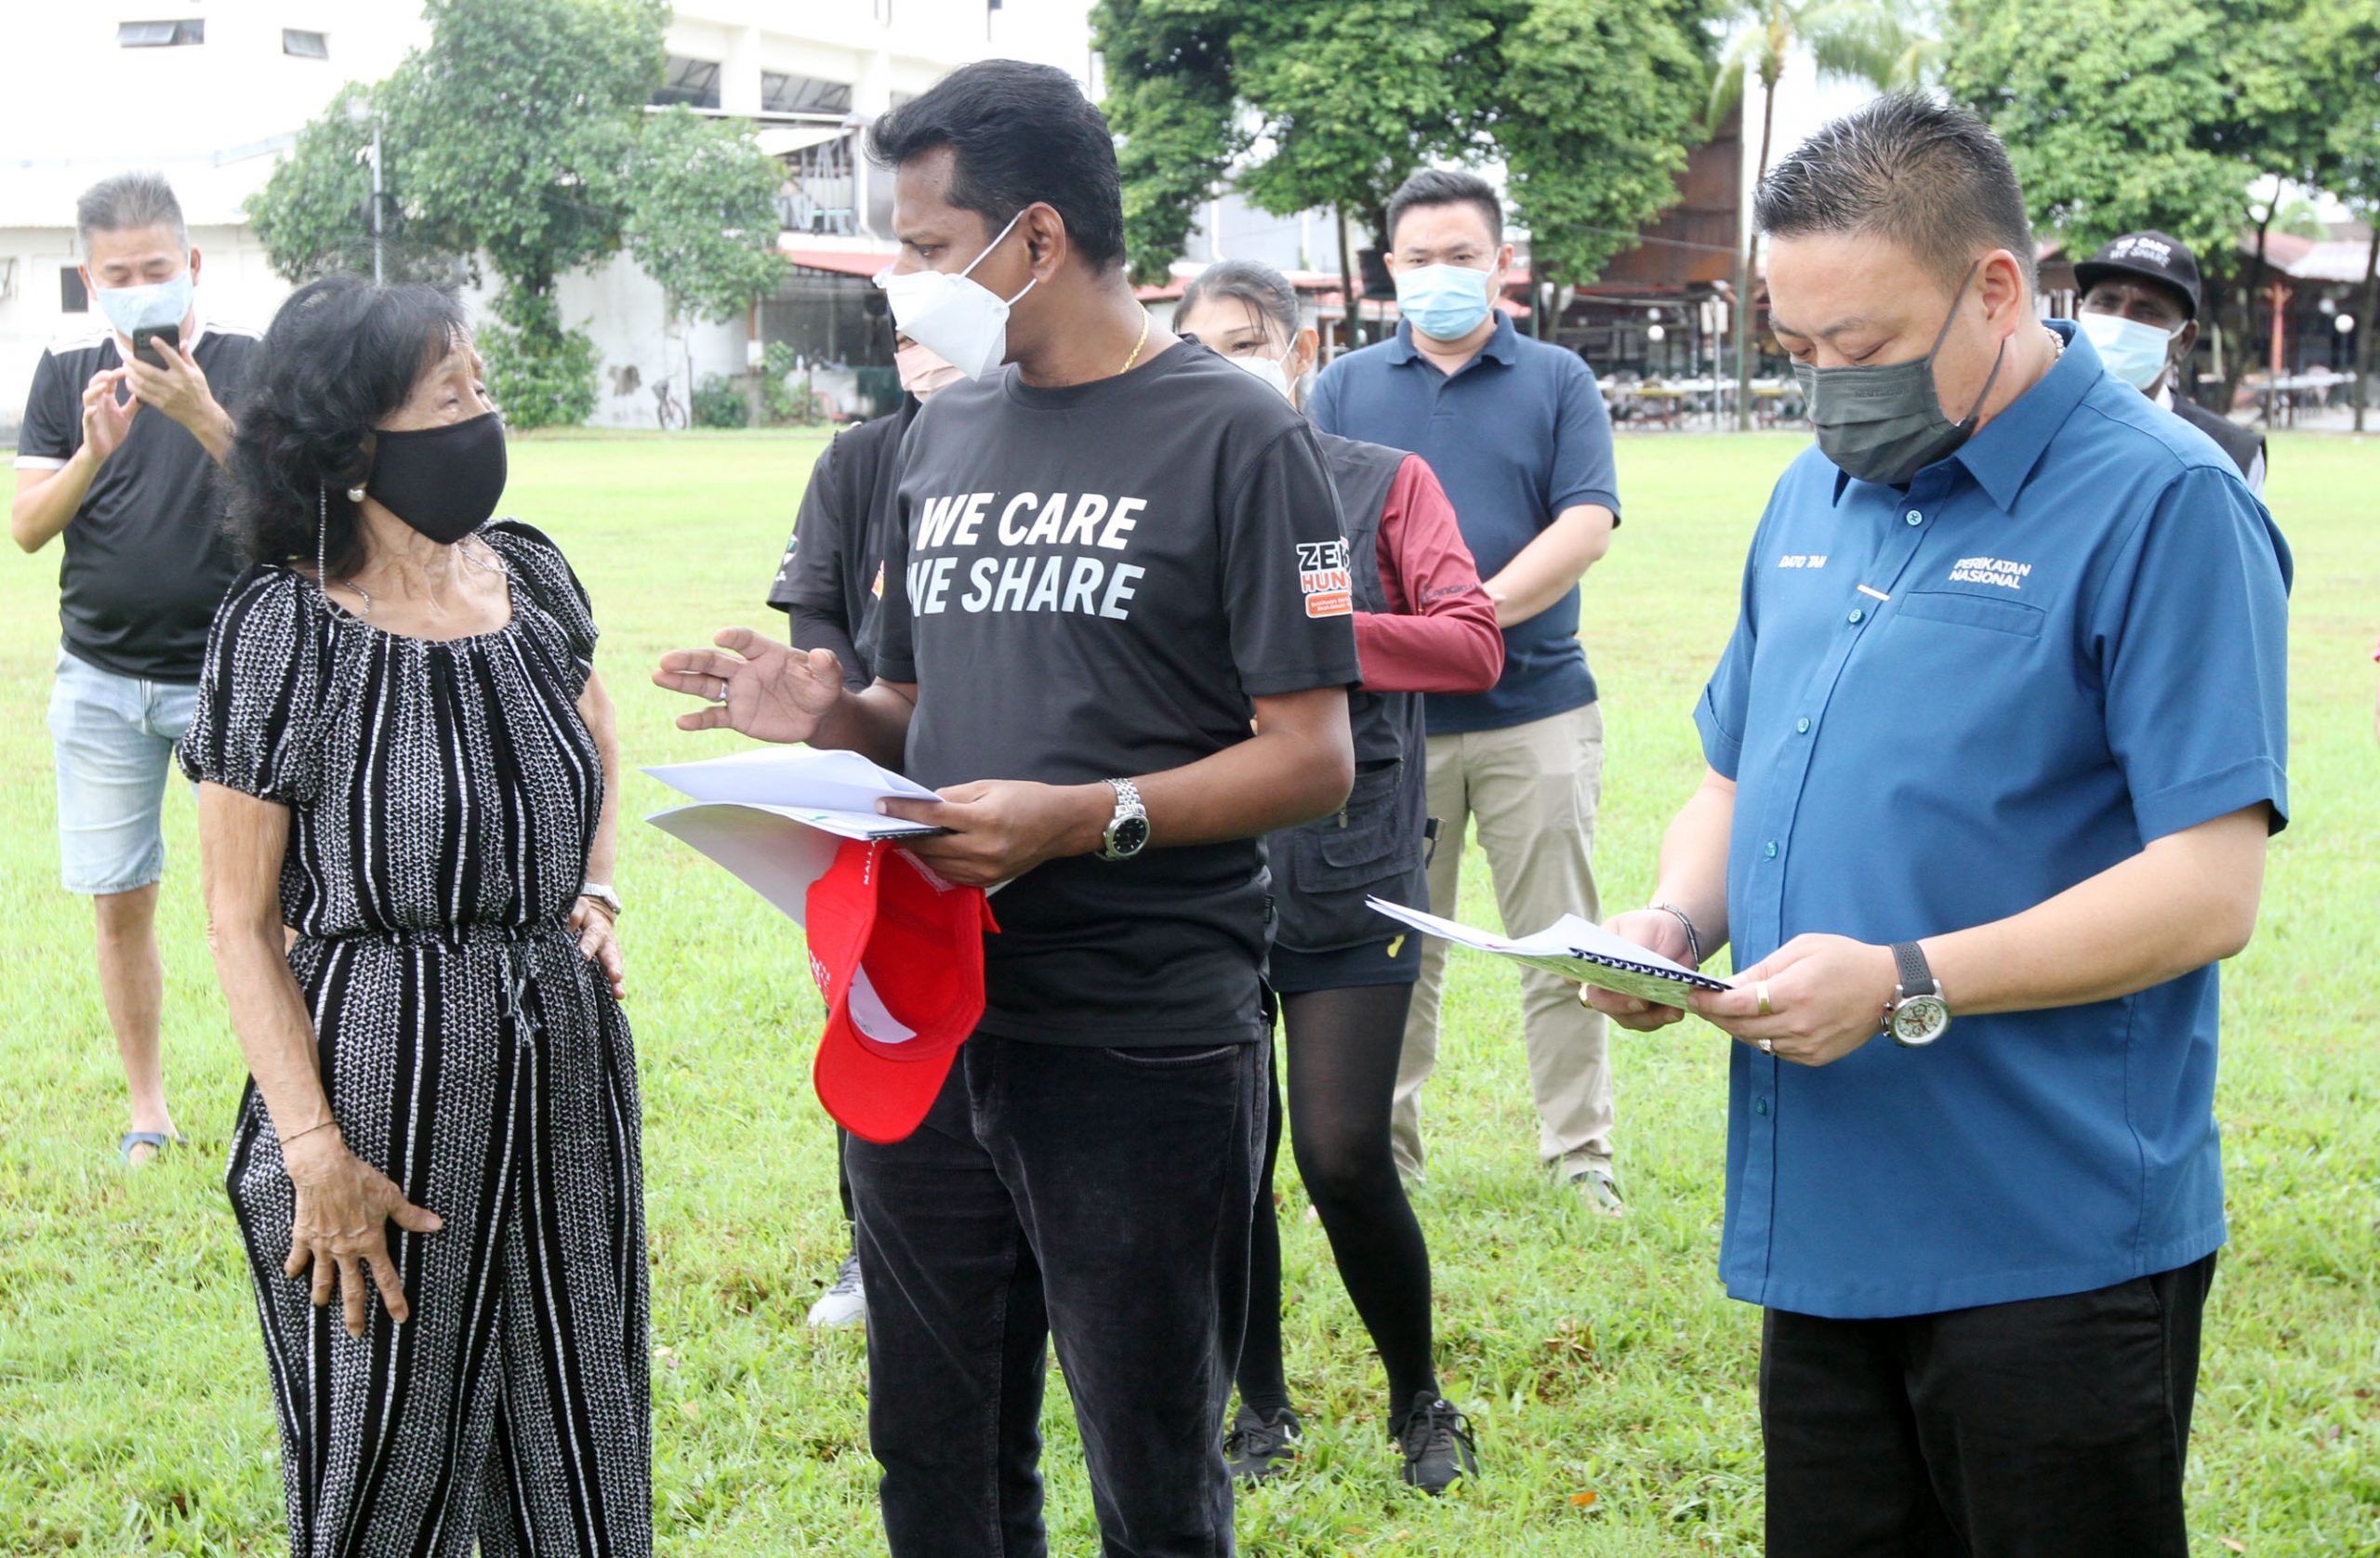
point(1444, 302)
point(145, 307)
point(2135, 353)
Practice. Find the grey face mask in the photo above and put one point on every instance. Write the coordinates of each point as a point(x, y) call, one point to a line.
point(1886, 424)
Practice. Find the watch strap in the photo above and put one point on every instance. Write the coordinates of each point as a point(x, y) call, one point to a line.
point(1916, 977)
point(1128, 806)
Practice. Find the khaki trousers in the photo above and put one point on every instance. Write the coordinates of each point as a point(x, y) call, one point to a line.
point(1533, 789)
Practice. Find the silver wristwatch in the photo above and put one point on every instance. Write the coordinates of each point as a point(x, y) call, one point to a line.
point(1128, 831)
point(602, 892)
point(1917, 1014)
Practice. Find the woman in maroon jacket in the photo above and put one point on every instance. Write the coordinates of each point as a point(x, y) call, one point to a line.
point(1344, 974)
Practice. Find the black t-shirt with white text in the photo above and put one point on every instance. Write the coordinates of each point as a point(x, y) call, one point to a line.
point(1095, 582)
point(147, 559)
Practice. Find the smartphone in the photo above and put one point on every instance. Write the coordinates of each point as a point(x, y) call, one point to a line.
point(170, 334)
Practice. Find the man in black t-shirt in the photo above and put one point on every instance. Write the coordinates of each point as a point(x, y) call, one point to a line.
point(116, 455)
point(1112, 556)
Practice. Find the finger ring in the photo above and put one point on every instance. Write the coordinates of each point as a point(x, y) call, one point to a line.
point(720, 696)
point(1768, 1047)
point(1760, 989)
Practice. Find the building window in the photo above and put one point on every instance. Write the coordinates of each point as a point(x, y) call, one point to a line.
point(303, 45)
point(160, 34)
point(692, 82)
point(802, 93)
point(72, 296)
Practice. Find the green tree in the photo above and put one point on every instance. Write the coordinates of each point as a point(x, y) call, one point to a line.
point(701, 216)
point(517, 127)
point(1332, 103)
point(1849, 40)
point(1590, 169)
point(517, 137)
point(1335, 102)
point(2345, 39)
point(2164, 114)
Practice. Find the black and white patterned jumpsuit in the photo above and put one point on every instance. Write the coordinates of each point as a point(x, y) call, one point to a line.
point(441, 797)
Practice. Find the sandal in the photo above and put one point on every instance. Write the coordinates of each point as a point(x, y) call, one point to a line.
point(157, 1140)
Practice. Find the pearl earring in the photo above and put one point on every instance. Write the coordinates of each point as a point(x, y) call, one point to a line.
point(355, 493)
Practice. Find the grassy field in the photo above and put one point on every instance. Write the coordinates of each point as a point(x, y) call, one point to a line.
point(1609, 1381)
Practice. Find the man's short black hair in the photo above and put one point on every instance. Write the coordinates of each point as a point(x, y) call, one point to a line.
point(1438, 186)
point(1905, 167)
point(1018, 134)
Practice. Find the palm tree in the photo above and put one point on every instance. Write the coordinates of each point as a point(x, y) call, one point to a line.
point(1879, 42)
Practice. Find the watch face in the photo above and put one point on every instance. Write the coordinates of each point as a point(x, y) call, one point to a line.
point(1129, 835)
point(1920, 1020)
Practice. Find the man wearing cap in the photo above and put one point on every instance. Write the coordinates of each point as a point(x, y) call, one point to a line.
point(2139, 310)
point(1113, 554)
point(1994, 753)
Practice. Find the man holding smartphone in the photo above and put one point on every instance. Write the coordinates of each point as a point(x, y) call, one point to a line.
point(120, 429)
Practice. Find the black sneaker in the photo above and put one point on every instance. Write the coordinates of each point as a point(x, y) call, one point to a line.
point(1437, 1442)
point(1256, 1450)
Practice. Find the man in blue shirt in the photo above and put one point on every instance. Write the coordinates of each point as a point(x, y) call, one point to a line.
point(1994, 753)
point(1516, 430)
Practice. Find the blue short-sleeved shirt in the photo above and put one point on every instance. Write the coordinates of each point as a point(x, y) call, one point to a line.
point(1517, 436)
point(1942, 707)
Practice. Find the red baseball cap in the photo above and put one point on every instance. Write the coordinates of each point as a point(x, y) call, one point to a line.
point(898, 953)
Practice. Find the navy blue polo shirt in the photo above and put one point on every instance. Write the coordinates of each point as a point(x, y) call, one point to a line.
point(1518, 435)
point(1942, 707)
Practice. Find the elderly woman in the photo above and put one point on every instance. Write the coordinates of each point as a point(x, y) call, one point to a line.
point(403, 754)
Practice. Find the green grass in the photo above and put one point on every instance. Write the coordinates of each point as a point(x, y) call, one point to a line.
point(1596, 1360)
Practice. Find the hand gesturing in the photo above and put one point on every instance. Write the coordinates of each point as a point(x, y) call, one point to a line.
point(759, 687)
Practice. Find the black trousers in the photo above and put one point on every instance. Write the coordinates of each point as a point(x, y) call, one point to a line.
point(1099, 1198)
point(2032, 1429)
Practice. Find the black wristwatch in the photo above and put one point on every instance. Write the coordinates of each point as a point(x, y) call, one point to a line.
point(1128, 831)
point(1917, 1014)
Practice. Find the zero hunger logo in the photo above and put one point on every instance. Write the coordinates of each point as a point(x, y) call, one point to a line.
point(1323, 576)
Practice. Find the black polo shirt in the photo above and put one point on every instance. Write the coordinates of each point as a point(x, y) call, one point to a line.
point(147, 558)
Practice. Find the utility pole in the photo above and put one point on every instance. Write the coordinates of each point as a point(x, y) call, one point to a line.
point(379, 268)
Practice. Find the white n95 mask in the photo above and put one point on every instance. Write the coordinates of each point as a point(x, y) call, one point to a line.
point(1266, 368)
point(953, 315)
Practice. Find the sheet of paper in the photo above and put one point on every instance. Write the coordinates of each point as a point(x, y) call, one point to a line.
point(1574, 948)
point(768, 849)
point(802, 777)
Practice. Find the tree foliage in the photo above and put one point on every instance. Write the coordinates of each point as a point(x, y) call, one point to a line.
point(1591, 166)
point(1332, 103)
point(2134, 119)
point(701, 216)
point(519, 137)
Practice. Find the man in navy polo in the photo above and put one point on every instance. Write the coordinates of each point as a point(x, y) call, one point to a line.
point(1516, 430)
point(1994, 753)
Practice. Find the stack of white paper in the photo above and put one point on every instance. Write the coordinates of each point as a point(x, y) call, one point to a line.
point(1573, 948)
point(773, 816)
point(833, 792)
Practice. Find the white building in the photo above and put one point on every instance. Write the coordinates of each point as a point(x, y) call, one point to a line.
point(213, 92)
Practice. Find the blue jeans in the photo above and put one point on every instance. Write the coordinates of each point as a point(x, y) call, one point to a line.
point(1101, 1198)
point(114, 738)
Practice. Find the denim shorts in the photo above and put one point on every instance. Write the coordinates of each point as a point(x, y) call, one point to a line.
point(114, 736)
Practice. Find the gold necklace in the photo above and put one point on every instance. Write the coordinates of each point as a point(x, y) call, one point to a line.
point(1137, 344)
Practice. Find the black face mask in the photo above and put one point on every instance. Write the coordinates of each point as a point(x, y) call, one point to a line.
point(445, 481)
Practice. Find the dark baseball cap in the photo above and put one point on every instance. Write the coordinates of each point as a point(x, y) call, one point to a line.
point(2154, 257)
